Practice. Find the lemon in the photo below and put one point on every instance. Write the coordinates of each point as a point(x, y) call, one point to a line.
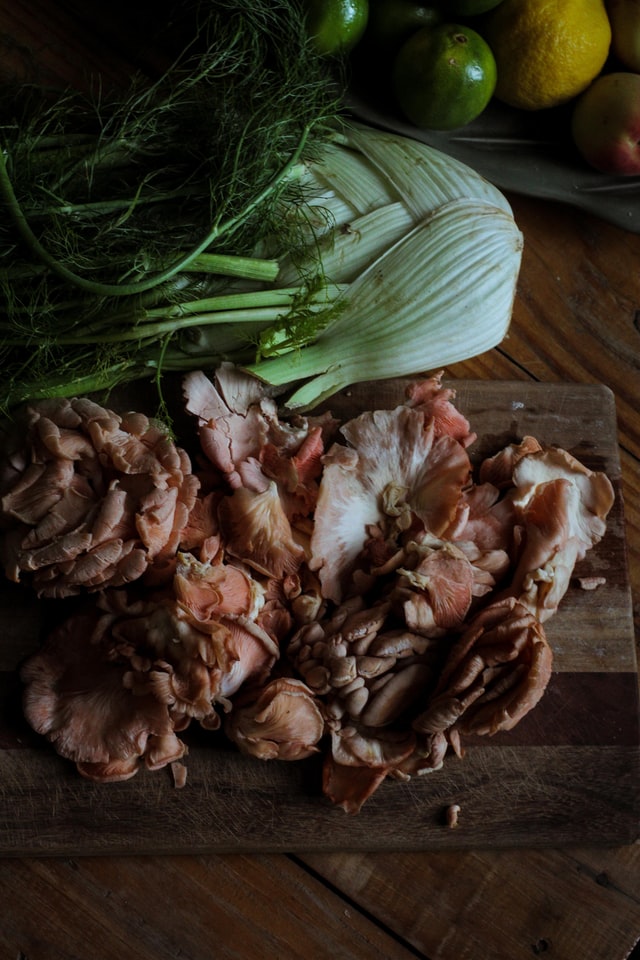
point(444, 76)
point(547, 51)
point(336, 26)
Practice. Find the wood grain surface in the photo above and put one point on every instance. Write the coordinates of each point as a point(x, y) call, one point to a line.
point(576, 319)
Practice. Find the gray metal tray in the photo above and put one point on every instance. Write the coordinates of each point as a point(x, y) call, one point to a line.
point(527, 153)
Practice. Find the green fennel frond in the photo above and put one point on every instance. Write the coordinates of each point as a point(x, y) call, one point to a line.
point(110, 198)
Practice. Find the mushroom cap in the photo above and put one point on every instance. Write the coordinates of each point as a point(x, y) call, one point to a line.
point(281, 720)
point(74, 695)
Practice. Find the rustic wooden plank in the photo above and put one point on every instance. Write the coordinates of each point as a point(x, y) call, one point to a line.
point(576, 314)
point(572, 903)
point(510, 795)
point(631, 495)
point(42, 42)
point(570, 773)
point(181, 907)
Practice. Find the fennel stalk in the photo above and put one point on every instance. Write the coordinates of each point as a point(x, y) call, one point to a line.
point(116, 201)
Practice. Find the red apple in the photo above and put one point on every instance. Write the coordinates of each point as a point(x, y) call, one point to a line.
point(605, 124)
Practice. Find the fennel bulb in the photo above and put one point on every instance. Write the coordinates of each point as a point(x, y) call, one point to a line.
point(442, 293)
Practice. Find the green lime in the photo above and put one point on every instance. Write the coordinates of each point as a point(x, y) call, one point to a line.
point(335, 26)
point(444, 76)
point(391, 22)
point(467, 8)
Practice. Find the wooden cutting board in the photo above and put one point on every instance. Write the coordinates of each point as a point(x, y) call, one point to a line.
point(568, 773)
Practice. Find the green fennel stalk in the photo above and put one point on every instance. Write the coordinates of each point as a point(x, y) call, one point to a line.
point(194, 259)
point(117, 207)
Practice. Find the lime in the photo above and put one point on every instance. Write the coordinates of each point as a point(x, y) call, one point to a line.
point(444, 76)
point(391, 22)
point(335, 26)
point(468, 8)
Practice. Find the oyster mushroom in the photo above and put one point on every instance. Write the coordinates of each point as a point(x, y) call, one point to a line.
point(359, 761)
point(392, 471)
point(208, 590)
point(369, 670)
point(242, 436)
point(377, 596)
point(74, 695)
point(435, 586)
point(256, 529)
point(494, 674)
point(362, 664)
point(436, 402)
point(281, 720)
point(268, 469)
point(498, 469)
point(89, 498)
point(189, 664)
point(233, 418)
point(296, 472)
point(562, 507)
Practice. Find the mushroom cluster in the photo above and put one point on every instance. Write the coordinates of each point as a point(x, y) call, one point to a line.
point(358, 589)
point(115, 684)
point(89, 499)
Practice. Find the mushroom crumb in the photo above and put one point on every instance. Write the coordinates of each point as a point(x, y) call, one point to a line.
point(590, 583)
point(179, 774)
point(452, 815)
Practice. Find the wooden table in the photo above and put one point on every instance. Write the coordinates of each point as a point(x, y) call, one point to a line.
point(576, 318)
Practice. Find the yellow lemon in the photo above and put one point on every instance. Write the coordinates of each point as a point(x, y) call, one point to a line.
point(547, 51)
